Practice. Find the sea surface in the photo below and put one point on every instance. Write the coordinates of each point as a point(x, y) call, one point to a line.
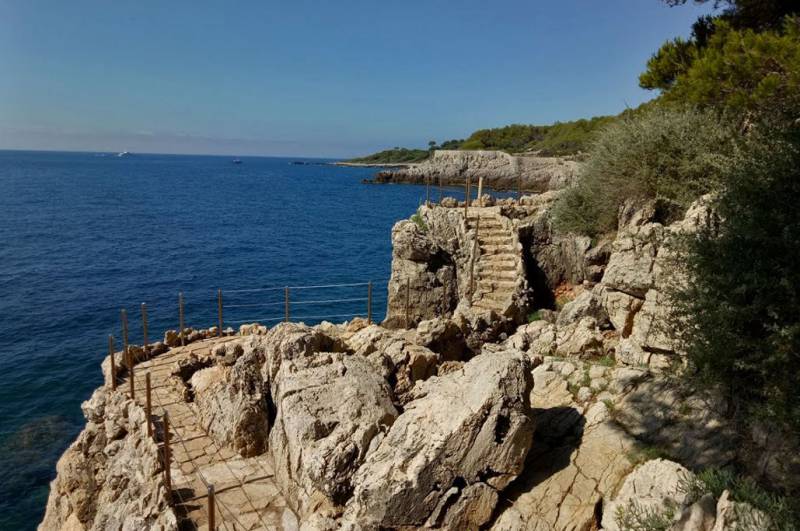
point(83, 235)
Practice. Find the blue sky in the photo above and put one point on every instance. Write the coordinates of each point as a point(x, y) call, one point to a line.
point(325, 78)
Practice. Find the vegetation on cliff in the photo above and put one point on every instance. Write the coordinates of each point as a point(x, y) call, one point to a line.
point(663, 152)
point(725, 122)
point(395, 155)
point(744, 301)
point(558, 139)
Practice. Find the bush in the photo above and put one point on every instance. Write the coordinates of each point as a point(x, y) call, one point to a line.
point(741, 308)
point(783, 515)
point(661, 152)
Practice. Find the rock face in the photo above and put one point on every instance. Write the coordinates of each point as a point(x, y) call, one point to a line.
point(109, 478)
point(499, 170)
point(460, 441)
point(654, 488)
point(331, 411)
point(231, 401)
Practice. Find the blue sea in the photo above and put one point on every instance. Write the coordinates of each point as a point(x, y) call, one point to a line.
point(83, 235)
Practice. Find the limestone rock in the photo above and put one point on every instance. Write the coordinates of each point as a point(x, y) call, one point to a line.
point(442, 336)
point(232, 402)
point(109, 478)
point(587, 304)
point(579, 339)
point(332, 409)
point(700, 516)
point(630, 268)
point(463, 439)
point(737, 516)
point(654, 487)
point(500, 171)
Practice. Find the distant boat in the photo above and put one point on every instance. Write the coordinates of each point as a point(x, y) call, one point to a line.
point(237, 161)
point(124, 154)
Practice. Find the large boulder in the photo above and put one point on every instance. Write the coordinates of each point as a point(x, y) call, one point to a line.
point(456, 446)
point(398, 357)
point(654, 488)
point(332, 410)
point(231, 401)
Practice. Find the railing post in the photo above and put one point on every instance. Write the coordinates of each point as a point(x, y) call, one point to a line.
point(180, 317)
point(219, 311)
point(123, 314)
point(369, 302)
point(466, 198)
point(129, 356)
point(212, 524)
point(427, 190)
point(480, 191)
point(408, 299)
point(144, 328)
point(113, 363)
point(472, 262)
point(167, 466)
point(127, 351)
point(519, 187)
point(441, 191)
point(148, 406)
point(286, 304)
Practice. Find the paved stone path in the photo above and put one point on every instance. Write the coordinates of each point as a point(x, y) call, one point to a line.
point(246, 493)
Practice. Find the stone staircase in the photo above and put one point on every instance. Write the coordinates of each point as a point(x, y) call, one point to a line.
point(499, 265)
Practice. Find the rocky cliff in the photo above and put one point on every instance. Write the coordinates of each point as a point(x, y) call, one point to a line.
point(521, 380)
point(500, 171)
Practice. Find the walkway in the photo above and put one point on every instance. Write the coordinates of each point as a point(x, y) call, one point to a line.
point(247, 497)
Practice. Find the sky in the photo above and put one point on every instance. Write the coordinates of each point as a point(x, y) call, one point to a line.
point(326, 78)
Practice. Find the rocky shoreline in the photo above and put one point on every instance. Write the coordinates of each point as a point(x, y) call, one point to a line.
point(520, 380)
point(499, 170)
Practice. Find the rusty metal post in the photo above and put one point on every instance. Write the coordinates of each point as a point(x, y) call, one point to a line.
point(219, 312)
point(427, 191)
point(124, 316)
point(126, 351)
point(472, 262)
point(212, 510)
point(369, 302)
point(129, 356)
point(144, 329)
point(113, 362)
point(408, 301)
point(180, 318)
point(167, 466)
point(286, 304)
point(148, 406)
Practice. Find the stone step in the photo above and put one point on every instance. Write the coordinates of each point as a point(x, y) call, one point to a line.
point(503, 240)
point(495, 285)
point(497, 249)
point(504, 267)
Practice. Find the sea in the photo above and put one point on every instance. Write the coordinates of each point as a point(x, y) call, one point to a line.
point(85, 235)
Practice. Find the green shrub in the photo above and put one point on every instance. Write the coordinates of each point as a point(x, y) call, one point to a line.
point(635, 517)
point(661, 152)
point(741, 308)
point(416, 218)
point(781, 510)
point(535, 316)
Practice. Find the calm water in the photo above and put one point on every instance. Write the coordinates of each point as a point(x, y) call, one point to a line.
point(82, 236)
